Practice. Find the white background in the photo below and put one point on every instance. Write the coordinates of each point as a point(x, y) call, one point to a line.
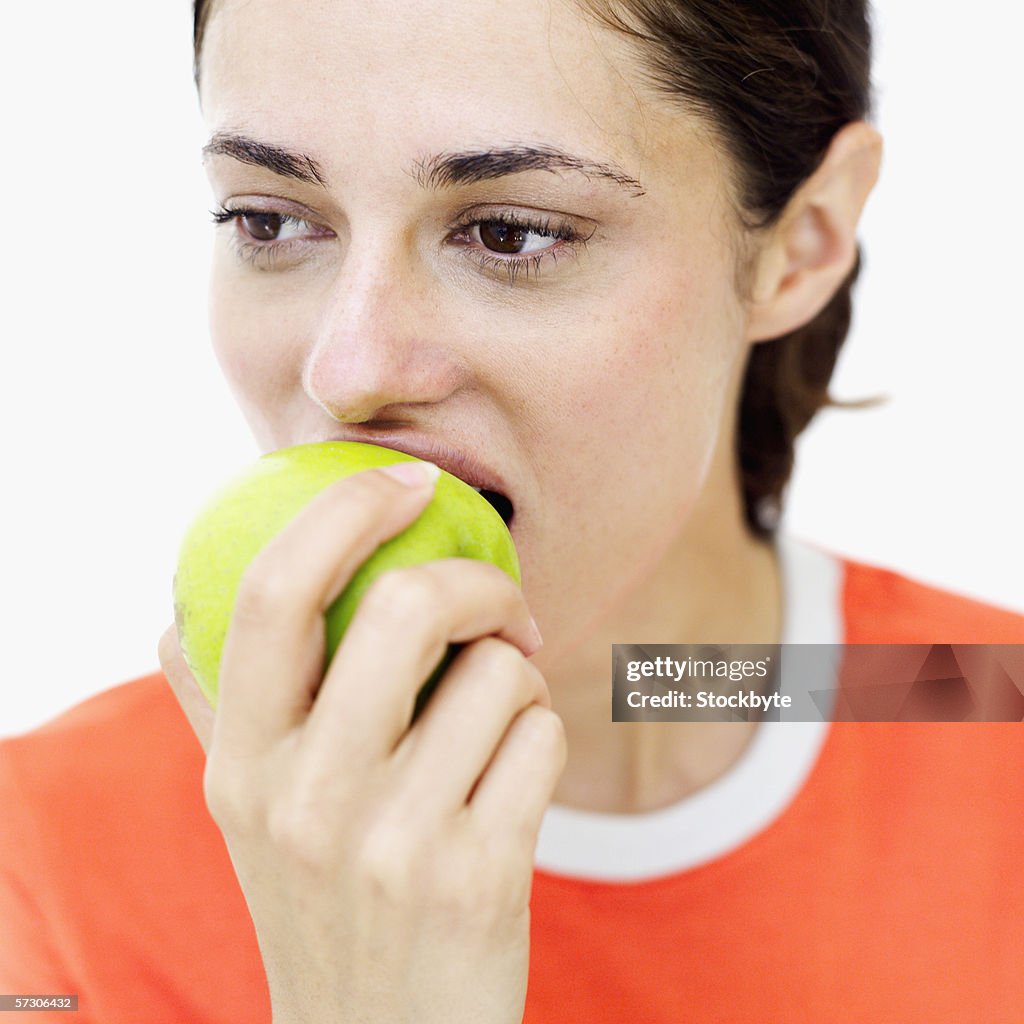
point(117, 425)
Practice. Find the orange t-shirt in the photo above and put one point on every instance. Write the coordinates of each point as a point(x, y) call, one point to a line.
point(888, 889)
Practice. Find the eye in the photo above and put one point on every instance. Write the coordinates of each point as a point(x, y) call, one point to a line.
point(267, 227)
point(271, 227)
point(271, 240)
point(511, 239)
point(519, 244)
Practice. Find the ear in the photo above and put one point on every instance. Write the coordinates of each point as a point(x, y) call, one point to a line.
point(812, 247)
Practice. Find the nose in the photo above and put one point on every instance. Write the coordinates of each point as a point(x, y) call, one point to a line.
point(380, 349)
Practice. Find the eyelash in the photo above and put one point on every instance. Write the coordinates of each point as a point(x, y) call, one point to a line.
point(514, 265)
point(264, 255)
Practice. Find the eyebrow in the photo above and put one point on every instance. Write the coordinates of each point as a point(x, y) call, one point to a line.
point(446, 170)
point(440, 171)
point(284, 162)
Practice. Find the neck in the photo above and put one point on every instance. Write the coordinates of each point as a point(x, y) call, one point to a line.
point(717, 584)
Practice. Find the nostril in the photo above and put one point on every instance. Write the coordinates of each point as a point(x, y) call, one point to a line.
point(501, 504)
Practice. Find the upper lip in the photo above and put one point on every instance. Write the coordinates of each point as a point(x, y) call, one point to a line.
point(452, 460)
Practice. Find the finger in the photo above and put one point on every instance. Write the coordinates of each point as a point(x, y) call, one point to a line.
point(516, 788)
point(396, 638)
point(192, 700)
point(484, 689)
point(273, 650)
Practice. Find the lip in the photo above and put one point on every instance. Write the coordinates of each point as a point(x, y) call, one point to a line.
point(452, 460)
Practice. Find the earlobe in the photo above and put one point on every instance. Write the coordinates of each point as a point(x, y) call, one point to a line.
point(809, 252)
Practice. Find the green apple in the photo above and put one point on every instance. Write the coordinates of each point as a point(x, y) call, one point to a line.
point(257, 504)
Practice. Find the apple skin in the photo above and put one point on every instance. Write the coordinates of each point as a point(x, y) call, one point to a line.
point(258, 503)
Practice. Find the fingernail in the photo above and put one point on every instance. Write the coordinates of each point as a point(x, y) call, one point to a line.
point(413, 474)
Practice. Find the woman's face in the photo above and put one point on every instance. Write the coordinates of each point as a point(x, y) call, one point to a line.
point(490, 238)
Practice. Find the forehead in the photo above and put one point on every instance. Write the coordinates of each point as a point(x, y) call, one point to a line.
point(440, 72)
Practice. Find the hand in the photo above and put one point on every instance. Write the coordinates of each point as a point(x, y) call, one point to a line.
point(387, 868)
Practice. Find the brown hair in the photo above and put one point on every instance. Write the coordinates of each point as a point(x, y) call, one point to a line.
point(776, 79)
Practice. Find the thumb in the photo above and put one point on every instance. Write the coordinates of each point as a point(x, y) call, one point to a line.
point(192, 700)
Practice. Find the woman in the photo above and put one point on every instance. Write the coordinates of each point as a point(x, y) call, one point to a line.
point(596, 258)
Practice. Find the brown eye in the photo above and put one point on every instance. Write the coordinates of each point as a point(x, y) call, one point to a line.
point(500, 237)
point(264, 227)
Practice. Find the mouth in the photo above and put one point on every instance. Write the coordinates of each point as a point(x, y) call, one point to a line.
point(499, 502)
point(483, 478)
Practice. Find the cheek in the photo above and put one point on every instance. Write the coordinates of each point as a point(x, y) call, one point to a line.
point(640, 408)
point(257, 340)
point(643, 392)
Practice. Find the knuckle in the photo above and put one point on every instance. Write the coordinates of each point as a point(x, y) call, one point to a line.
point(264, 591)
point(545, 731)
point(362, 495)
point(509, 591)
point(367, 485)
point(503, 665)
point(490, 572)
point(385, 859)
point(501, 588)
point(497, 657)
point(225, 794)
point(310, 816)
point(301, 838)
point(406, 595)
point(167, 649)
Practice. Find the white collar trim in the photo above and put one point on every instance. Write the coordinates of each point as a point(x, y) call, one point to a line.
point(735, 807)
